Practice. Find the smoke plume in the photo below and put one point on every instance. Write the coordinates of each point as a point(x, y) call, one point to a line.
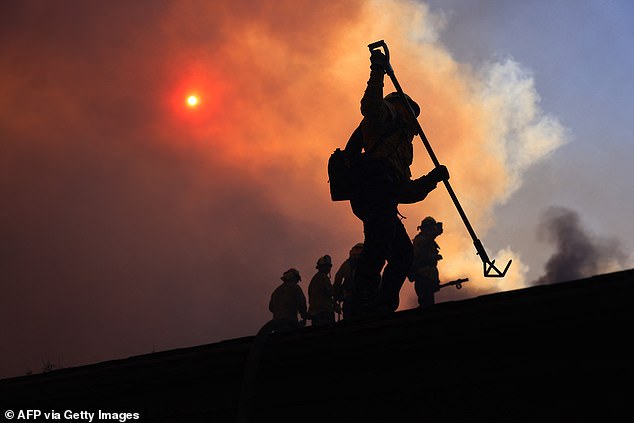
point(578, 253)
point(132, 223)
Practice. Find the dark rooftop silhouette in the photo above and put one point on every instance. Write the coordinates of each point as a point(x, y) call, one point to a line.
point(559, 352)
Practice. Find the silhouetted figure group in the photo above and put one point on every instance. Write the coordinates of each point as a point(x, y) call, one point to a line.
point(369, 282)
point(325, 298)
point(288, 302)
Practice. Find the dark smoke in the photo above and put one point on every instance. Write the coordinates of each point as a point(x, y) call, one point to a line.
point(579, 254)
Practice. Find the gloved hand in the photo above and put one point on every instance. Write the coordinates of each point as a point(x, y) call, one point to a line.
point(439, 173)
point(378, 60)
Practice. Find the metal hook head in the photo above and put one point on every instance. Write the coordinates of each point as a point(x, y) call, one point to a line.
point(493, 272)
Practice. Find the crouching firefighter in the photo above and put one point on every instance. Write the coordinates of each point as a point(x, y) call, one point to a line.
point(378, 157)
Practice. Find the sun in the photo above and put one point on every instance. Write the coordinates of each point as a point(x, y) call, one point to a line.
point(192, 101)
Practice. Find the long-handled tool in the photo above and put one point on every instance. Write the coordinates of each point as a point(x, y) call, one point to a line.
point(457, 283)
point(490, 270)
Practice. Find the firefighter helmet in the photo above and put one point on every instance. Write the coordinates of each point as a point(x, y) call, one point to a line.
point(396, 98)
point(291, 275)
point(427, 222)
point(355, 251)
point(324, 261)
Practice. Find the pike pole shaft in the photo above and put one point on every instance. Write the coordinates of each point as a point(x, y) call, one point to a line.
point(476, 242)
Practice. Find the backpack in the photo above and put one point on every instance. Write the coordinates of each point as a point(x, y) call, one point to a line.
point(343, 169)
point(341, 176)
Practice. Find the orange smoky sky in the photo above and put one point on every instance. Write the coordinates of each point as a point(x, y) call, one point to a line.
point(132, 223)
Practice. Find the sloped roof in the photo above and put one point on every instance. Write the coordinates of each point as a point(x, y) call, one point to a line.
point(557, 352)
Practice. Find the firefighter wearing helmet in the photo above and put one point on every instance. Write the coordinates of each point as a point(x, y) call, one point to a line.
point(320, 294)
point(288, 300)
point(424, 270)
point(382, 147)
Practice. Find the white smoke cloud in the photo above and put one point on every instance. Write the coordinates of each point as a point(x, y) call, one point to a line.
point(522, 133)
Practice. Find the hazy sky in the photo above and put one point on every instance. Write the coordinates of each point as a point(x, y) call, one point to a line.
point(581, 56)
point(131, 222)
